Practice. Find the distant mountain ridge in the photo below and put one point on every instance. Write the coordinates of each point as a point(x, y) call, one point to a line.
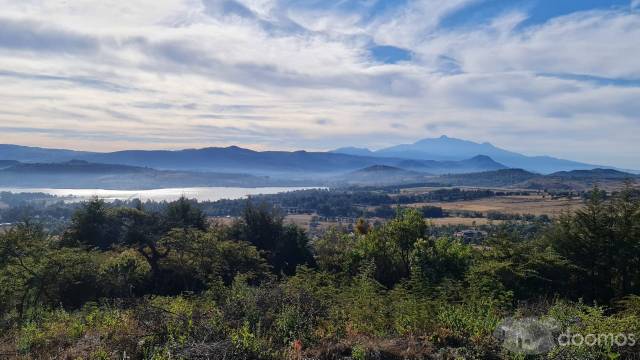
point(71, 167)
point(443, 156)
point(84, 174)
point(575, 180)
point(381, 175)
point(497, 178)
point(38, 154)
point(608, 174)
point(451, 149)
point(233, 159)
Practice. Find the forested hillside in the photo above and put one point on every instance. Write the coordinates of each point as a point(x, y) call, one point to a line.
point(168, 284)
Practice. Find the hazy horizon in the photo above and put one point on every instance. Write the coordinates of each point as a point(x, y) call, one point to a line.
point(284, 148)
point(536, 77)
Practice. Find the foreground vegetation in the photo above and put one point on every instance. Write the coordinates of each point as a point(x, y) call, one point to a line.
point(163, 283)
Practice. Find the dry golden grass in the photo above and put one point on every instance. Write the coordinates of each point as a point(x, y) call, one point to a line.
point(532, 204)
point(301, 220)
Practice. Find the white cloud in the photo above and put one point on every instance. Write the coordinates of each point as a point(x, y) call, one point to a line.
point(411, 25)
point(595, 43)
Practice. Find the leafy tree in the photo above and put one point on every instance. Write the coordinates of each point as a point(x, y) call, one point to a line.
point(391, 246)
point(183, 214)
point(202, 258)
point(143, 232)
point(285, 246)
point(34, 271)
point(92, 225)
point(404, 231)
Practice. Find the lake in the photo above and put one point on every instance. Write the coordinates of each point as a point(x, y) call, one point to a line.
point(199, 193)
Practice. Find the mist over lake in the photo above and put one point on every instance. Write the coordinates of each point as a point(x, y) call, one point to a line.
point(199, 193)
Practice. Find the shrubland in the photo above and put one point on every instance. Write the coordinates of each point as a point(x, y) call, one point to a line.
point(142, 283)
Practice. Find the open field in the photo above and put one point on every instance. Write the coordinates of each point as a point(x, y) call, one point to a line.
point(305, 220)
point(532, 204)
point(426, 189)
point(515, 204)
point(301, 220)
point(463, 221)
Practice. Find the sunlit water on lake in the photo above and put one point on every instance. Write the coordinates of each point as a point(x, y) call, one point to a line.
point(199, 193)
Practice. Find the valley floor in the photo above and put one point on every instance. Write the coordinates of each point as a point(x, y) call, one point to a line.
point(530, 204)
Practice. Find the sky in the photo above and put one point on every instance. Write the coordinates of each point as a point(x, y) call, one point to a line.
point(555, 77)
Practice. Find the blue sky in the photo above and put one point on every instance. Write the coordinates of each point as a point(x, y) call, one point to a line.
point(538, 76)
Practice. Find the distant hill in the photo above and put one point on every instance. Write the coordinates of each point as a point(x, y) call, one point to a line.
point(474, 164)
point(498, 178)
point(82, 174)
point(382, 169)
point(480, 163)
point(581, 180)
point(381, 175)
point(576, 180)
point(73, 167)
point(600, 174)
point(451, 149)
point(38, 154)
point(297, 164)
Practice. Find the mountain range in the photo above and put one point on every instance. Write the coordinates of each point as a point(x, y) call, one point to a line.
point(296, 164)
point(441, 160)
point(451, 149)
